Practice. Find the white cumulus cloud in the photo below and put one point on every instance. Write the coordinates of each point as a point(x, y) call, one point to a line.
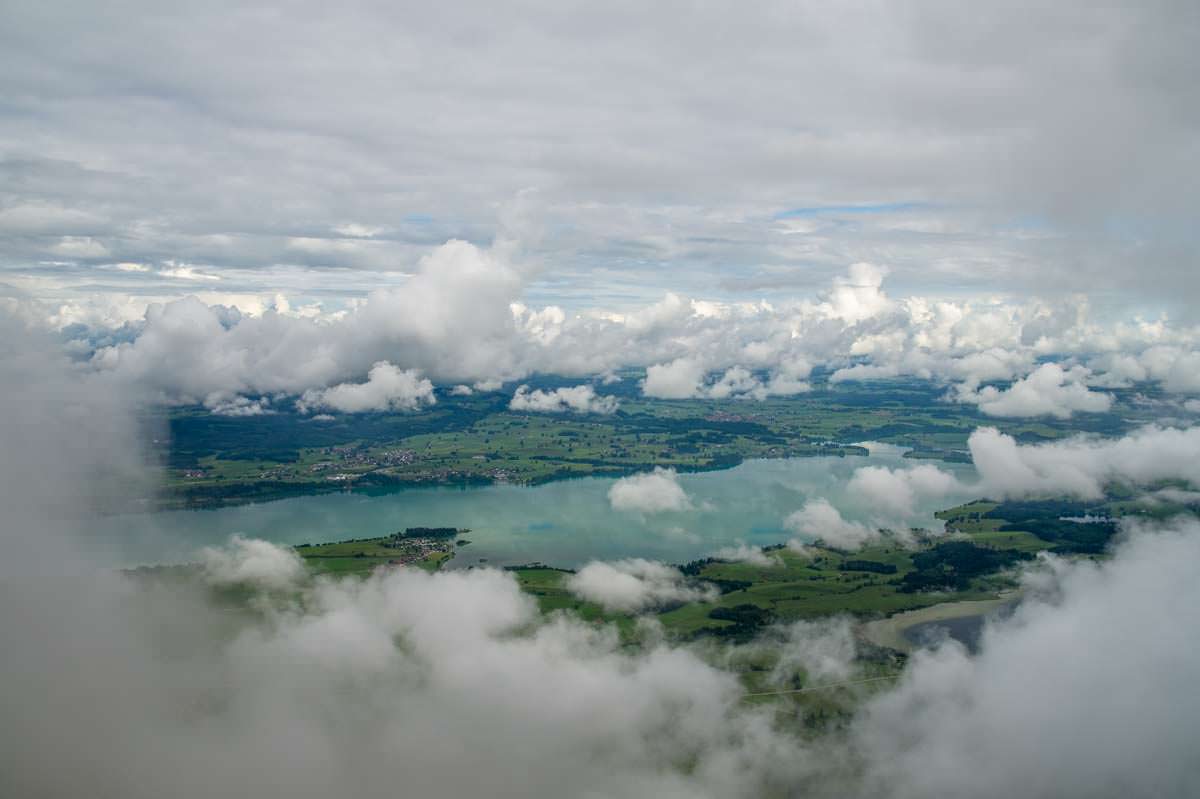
point(679, 379)
point(819, 520)
point(894, 493)
point(388, 388)
point(575, 399)
point(1082, 466)
point(649, 492)
point(636, 584)
point(1049, 390)
point(251, 561)
point(741, 552)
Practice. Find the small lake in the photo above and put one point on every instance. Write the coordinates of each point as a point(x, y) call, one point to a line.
point(964, 629)
point(967, 630)
point(564, 523)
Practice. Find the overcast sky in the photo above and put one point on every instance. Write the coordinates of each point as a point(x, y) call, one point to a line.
point(723, 151)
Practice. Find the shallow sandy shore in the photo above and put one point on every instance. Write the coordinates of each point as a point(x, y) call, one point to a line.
point(889, 632)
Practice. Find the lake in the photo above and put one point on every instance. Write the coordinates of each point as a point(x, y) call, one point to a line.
point(966, 629)
point(564, 523)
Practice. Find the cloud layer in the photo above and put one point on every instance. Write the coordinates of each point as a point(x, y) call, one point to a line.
point(459, 319)
point(453, 684)
point(961, 153)
point(985, 726)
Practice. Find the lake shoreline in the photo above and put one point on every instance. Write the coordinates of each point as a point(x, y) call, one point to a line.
point(273, 492)
point(888, 633)
point(563, 523)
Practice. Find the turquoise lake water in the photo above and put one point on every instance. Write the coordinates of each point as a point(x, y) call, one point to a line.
point(564, 523)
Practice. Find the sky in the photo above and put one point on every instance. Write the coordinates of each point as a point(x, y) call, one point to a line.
point(243, 205)
point(241, 150)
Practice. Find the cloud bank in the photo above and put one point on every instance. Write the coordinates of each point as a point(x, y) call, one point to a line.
point(1082, 466)
point(1078, 466)
point(958, 725)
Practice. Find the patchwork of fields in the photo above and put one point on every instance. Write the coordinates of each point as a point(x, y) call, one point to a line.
point(973, 561)
point(478, 440)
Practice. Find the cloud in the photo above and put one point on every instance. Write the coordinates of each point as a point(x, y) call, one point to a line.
point(388, 388)
point(857, 297)
point(357, 231)
point(426, 669)
point(741, 552)
point(70, 447)
point(1183, 374)
point(252, 562)
point(635, 584)
point(458, 318)
point(1049, 391)
point(450, 321)
point(1083, 466)
point(980, 726)
point(649, 492)
point(576, 399)
point(865, 371)
point(685, 378)
point(429, 667)
point(893, 493)
point(679, 379)
point(1116, 370)
point(818, 520)
point(186, 272)
point(79, 247)
point(622, 196)
point(736, 382)
point(822, 651)
point(222, 404)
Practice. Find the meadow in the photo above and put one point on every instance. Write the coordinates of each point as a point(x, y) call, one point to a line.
point(476, 439)
point(974, 561)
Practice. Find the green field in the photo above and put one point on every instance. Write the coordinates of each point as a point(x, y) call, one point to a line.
point(360, 557)
point(476, 439)
point(975, 561)
point(738, 631)
point(799, 587)
point(824, 582)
